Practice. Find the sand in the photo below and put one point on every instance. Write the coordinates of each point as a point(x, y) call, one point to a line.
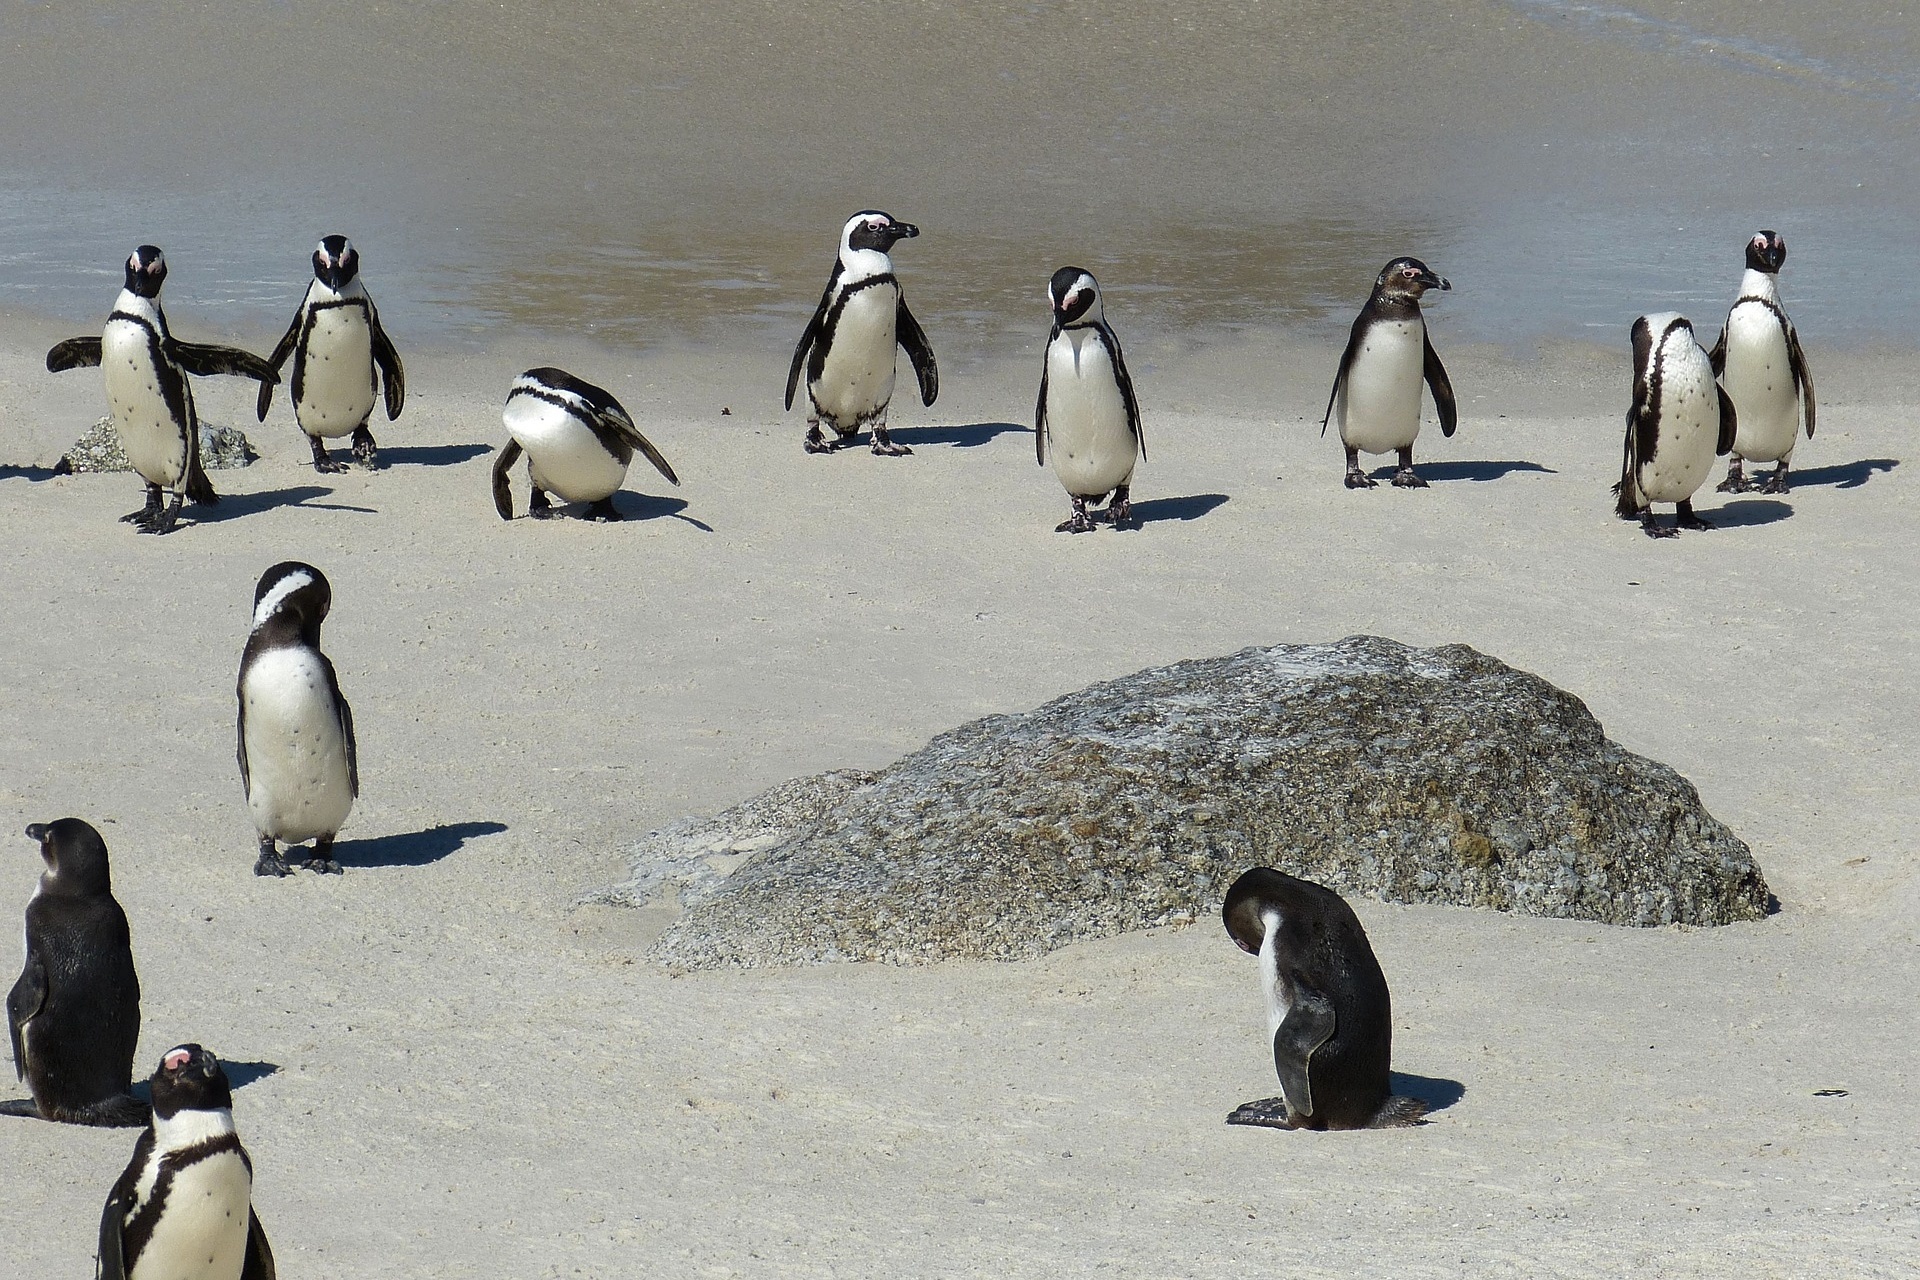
point(447, 1070)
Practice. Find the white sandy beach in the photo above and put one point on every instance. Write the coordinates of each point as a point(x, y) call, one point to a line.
point(472, 1078)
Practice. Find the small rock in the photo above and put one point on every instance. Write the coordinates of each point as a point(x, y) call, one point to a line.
point(221, 449)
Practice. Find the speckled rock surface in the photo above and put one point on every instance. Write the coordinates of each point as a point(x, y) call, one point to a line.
point(1413, 775)
point(221, 449)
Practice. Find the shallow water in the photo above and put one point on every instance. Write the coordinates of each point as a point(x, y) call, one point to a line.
point(648, 174)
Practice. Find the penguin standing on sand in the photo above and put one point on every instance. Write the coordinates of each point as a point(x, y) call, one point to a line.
point(578, 440)
point(298, 761)
point(1679, 422)
point(1377, 389)
point(1763, 370)
point(183, 1209)
point(337, 344)
point(145, 367)
point(1327, 1007)
point(75, 1011)
point(847, 349)
point(1087, 413)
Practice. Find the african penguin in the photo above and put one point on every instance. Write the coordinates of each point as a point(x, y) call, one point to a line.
point(145, 368)
point(337, 345)
point(1764, 372)
point(183, 1209)
point(1086, 414)
point(298, 761)
point(578, 441)
point(847, 348)
point(1679, 421)
point(1328, 1010)
point(75, 1012)
point(1377, 388)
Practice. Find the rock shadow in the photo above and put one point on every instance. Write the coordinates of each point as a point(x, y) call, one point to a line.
point(412, 848)
point(430, 455)
point(1842, 475)
point(1437, 1092)
point(1442, 472)
point(969, 436)
point(1191, 507)
point(1747, 512)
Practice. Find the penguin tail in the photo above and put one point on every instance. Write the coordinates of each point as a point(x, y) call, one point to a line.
point(199, 488)
point(1398, 1113)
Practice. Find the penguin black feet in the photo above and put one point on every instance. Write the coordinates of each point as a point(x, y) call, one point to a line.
point(147, 514)
point(1683, 517)
point(816, 442)
point(1356, 478)
point(1736, 481)
point(603, 511)
point(1777, 482)
point(1654, 529)
point(1079, 522)
point(884, 446)
point(1267, 1113)
point(322, 859)
point(325, 465)
point(162, 520)
point(538, 506)
point(1404, 478)
point(1120, 510)
point(365, 452)
point(270, 863)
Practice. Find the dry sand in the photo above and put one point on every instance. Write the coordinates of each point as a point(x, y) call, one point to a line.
point(472, 1078)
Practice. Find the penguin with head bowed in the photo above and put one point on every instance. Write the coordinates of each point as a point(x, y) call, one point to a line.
point(340, 355)
point(183, 1209)
point(1328, 1010)
point(75, 1011)
point(1087, 415)
point(846, 351)
point(1763, 370)
point(299, 764)
point(578, 440)
point(1376, 392)
point(145, 370)
point(1679, 421)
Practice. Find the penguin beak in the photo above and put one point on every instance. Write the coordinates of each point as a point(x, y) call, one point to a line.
point(904, 231)
point(1432, 281)
point(37, 833)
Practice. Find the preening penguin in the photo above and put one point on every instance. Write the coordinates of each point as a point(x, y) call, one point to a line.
point(145, 369)
point(337, 345)
point(1377, 389)
point(1327, 1007)
point(183, 1209)
point(299, 765)
point(1086, 414)
point(1679, 421)
point(578, 440)
point(847, 348)
point(1763, 370)
point(75, 1010)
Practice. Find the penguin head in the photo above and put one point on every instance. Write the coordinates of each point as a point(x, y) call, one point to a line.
point(872, 229)
point(1075, 295)
point(1766, 251)
point(1406, 279)
point(146, 271)
point(293, 590)
point(1257, 893)
point(75, 855)
point(190, 1078)
point(336, 262)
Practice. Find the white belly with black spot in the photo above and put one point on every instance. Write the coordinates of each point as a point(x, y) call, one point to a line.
point(1689, 428)
point(563, 454)
point(202, 1232)
point(336, 379)
point(1758, 377)
point(856, 379)
point(1089, 442)
point(1380, 404)
point(155, 443)
point(299, 786)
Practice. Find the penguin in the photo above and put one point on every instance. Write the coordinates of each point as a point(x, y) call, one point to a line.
point(1086, 411)
point(75, 1011)
point(183, 1209)
point(1377, 387)
point(337, 345)
point(1327, 1007)
point(1680, 420)
point(1763, 370)
point(578, 441)
point(847, 348)
point(299, 766)
point(152, 404)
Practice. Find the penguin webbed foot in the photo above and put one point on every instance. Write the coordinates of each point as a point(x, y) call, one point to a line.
point(1654, 529)
point(321, 859)
point(270, 863)
point(602, 511)
point(365, 451)
point(816, 442)
point(1777, 482)
point(323, 462)
point(1736, 481)
point(1356, 478)
point(538, 506)
point(1407, 478)
point(147, 513)
point(25, 1108)
point(162, 520)
point(883, 445)
point(1081, 521)
point(1119, 512)
point(1684, 518)
point(1265, 1113)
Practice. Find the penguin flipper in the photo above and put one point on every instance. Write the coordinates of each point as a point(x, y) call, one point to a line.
point(259, 1262)
point(113, 1217)
point(346, 726)
point(1040, 409)
point(74, 353)
point(240, 732)
point(1310, 1023)
point(1797, 361)
point(807, 338)
point(205, 360)
point(28, 997)
point(1717, 358)
point(1728, 421)
point(909, 334)
point(1125, 380)
point(281, 351)
point(1439, 384)
point(615, 419)
point(388, 359)
point(1340, 374)
point(502, 483)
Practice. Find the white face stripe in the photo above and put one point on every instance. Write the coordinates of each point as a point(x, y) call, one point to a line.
point(277, 594)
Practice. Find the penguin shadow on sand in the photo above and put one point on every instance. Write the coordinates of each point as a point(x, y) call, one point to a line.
point(1437, 1092)
point(412, 848)
point(10, 472)
point(1442, 472)
point(647, 506)
point(968, 436)
point(430, 455)
point(1191, 507)
point(1842, 475)
point(1744, 513)
point(235, 506)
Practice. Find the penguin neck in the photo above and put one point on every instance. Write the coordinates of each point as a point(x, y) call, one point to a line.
point(324, 292)
point(1394, 306)
point(1760, 284)
point(148, 309)
point(185, 1129)
point(284, 631)
point(863, 264)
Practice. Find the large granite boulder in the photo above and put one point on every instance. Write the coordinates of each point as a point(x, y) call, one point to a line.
point(221, 449)
point(1412, 775)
